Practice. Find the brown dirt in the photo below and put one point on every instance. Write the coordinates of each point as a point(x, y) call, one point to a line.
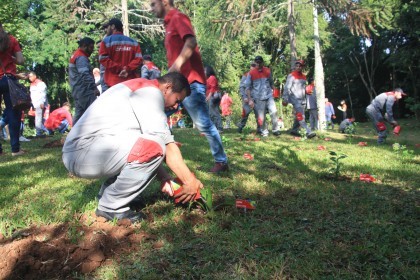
point(59, 251)
point(55, 143)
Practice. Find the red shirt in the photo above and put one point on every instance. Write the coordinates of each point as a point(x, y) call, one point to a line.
point(56, 117)
point(178, 28)
point(6, 57)
point(212, 85)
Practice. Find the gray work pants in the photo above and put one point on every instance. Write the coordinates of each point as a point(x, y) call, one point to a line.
point(108, 157)
point(376, 116)
point(313, 118)
point(298, 108)
point(261, 107)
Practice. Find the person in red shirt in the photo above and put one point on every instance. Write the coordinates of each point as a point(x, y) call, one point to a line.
point(213, 97)
point(60, 119)
point(10, 55)
point(226, 105)
point(120, 55)
point(184, 56)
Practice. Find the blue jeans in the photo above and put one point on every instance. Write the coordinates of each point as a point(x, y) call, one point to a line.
point(12, 116)
point(197, 108)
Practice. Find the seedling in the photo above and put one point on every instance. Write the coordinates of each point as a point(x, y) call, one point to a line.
point(337, 164)
point(302, 133)
point(350, 131)
point(226, 140)
point(403, 151)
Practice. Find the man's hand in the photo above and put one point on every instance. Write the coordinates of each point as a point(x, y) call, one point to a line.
point(123, 73)
point(251, 103)
point(334, 117)
point(22, 76)
point(97, 92)
point(189, 190)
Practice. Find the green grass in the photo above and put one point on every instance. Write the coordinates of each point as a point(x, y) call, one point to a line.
point(306, 225)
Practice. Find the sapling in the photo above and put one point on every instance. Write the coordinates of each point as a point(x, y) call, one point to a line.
point(337, 164)
point(302, 133)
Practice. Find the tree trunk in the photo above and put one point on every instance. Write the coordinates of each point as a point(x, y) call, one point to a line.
point(319, 73)
point(125, 17)
point(292, 33)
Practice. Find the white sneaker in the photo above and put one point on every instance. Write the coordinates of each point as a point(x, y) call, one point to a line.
point(23, 139)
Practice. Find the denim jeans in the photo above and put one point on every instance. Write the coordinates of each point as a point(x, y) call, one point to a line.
point(197, 108)
point(39, 121)
point(12, 116)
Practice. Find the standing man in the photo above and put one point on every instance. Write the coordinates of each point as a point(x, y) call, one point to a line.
point(379, 106)
point(329, 113)
point(38, 91)
point(119, 54)
point(259, 84)
point(82, 82)
point(246, 109)
point(183, 56)
point(311, 104)
point(295, 93)
point(149, 70)
point(124, 136)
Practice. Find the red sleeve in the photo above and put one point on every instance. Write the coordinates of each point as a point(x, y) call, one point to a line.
point(183, 26)
point(15, 45)
point(135, 63)
point(212, 85)
point(69, 118)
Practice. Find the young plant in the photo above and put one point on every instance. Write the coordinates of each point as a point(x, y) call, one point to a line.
point(350, 131)
point(226, 140)
point(337, 164)
point(302, 133)
point(403, 151)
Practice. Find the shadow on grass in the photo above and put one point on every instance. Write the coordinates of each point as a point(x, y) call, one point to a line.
point(303, 227)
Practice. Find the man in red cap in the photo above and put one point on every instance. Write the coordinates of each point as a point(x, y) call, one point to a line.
point(379, 106)
point(295, 93)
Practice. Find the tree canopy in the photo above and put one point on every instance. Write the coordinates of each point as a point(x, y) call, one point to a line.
point(367, 46)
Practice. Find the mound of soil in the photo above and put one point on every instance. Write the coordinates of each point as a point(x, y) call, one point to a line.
point(58, 251)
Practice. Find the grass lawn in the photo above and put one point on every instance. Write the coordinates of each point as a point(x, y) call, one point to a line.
point(307, 224)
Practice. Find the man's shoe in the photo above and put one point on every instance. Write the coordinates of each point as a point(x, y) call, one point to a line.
point(276, 133)
point(294, 133)
point(219, 167)
point(310, 135)
point(23, 139)
point(129, 214)
point(21, 152)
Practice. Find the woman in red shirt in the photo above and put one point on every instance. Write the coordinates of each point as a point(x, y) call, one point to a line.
point(213, 97)
point(10, 55)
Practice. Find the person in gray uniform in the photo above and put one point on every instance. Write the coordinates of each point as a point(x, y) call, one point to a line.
point(259, 86)
point(311, 104)
point(124, 136)
point(149, 70)
point(380, 106)
point(345, 124)
point(246, 109)
point(294, 93)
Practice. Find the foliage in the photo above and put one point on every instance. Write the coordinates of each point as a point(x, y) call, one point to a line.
point(336, 159)
point(403, 151)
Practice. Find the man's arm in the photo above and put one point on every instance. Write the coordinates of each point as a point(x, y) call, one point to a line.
point(248, 88)
point(19, 59)
point(83, 67)
point(176, 163)
point(389, 113)
point(186, 52)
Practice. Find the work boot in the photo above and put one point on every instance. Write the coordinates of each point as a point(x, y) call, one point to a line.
point(276, 133)
point(129, 214)
point(295, 133)
point(219, 167)
point(310, 135)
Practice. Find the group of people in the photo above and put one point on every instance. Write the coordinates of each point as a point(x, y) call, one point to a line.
point(123, 134)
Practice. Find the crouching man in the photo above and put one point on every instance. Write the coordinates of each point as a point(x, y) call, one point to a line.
point(124, 137)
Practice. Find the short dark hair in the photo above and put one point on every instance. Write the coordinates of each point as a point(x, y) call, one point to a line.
point(86, 42)
point(66, 104)
point(147, 57)
point(116, 22)
point(33, 73)
point(209, 71)
point(178, 81)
